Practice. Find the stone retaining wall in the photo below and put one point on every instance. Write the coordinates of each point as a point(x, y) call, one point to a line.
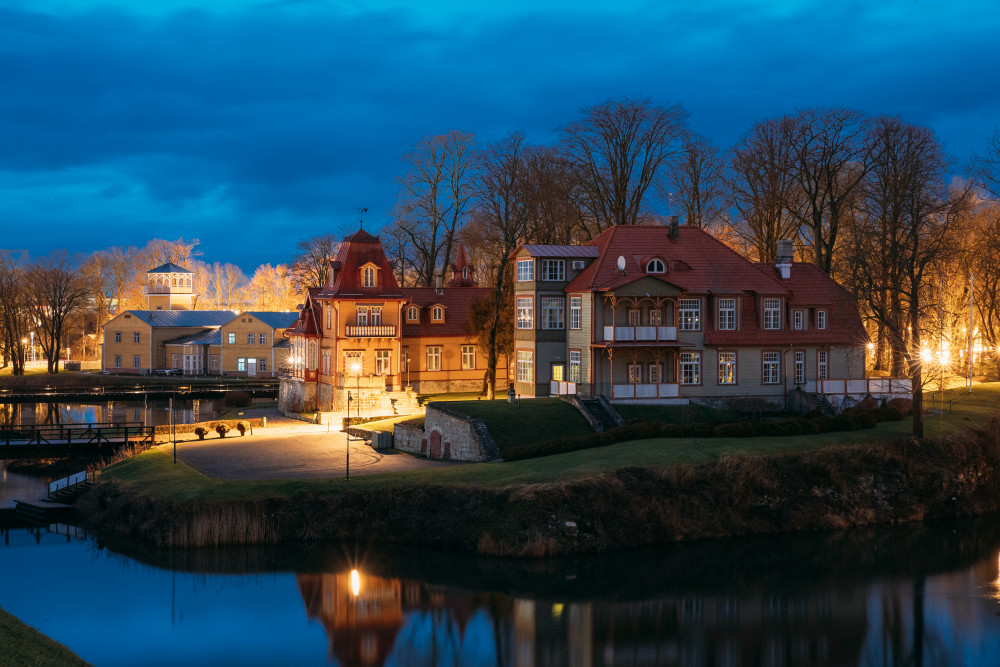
point(447, 434)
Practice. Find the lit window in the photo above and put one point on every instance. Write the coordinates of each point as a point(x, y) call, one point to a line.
point(772, 313)
point(437, 314)
point(552, 312)
point(822, 365)
point(525, 366)
point(574, 365)
point(412, 314)
point(575, 313)
point(468, 357)
point(635, 373)
point(434, 358)
point(655, 317)
point(525, 270)
point(553, 269)
point(727, 314)
point(800, 367)
point(690, 368)
point(771, 365)
point(136, 336)
point(820, 319)
point(353, 362)
point(797, 319)
point(369, 276)
point(525, 313)
point(727, 368)
point(362, 317)
point(232, 339)
point(690, 314)
point(656, 266)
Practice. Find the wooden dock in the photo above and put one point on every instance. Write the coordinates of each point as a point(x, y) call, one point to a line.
point(62, 440)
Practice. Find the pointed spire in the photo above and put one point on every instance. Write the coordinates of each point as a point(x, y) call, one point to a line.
point(462, 273)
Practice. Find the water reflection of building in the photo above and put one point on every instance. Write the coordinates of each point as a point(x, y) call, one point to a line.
point(716, 630)
point(361, 628)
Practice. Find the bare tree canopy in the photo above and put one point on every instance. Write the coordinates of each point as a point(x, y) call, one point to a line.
point(311, 264)
point(618, 150)
point(696, 183)
point(434, 200)
point(15, 308)
point(762, 187)
point(830, 158)
point(271, 288)
point(58, 291)
point(986, 167)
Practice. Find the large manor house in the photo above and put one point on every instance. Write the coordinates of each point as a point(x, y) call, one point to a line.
point(641, 314)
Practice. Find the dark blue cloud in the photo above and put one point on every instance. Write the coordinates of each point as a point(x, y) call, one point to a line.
point(274, 121)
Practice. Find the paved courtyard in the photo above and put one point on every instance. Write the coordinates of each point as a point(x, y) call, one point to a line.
point(290, 449)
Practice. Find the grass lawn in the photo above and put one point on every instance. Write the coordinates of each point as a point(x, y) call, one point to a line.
point(527, 421)
point(156, 475)
point(673, 414)
point(23, 645)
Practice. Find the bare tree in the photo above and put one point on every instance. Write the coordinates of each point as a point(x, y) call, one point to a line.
point(434, 200)
point(501, 215)
point(906, 224)
point(310, 266)
point(15, 309)
point(226, 283)
point(618, 150)
point(696, 183)
point(762, 188)
point(986, 167)
point(985, 263)
point(57, 292)
point(830, 155)
point(271, 288)
point(555, 216)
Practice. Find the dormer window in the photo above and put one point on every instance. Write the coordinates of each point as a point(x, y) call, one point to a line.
point(656, 266)
point(437, 314)
point(412, 314)
point(368, 274)
point(465, 273)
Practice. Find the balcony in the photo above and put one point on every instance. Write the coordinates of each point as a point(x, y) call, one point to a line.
point(638, 390)
point(167, 289)
point(371, 330)
point(639, 334)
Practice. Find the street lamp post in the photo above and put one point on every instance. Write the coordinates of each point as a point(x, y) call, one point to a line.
point(347, 477)
point(408, 372)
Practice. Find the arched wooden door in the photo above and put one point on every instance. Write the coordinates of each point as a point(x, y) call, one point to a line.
point(435, 444)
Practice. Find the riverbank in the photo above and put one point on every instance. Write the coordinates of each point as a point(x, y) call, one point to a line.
point(894, 481)
point(27, 647)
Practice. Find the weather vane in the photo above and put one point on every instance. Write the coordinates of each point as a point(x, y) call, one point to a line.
point(362, 211)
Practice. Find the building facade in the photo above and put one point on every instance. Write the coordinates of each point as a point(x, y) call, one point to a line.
point(364, 335)
point(666, 315)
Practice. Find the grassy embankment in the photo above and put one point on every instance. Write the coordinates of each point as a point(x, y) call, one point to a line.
point(631, 493)
point(27, 647)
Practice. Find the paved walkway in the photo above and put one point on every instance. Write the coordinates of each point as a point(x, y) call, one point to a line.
point(290, 450)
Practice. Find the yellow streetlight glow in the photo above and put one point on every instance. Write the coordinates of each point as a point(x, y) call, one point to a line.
point(355, 582)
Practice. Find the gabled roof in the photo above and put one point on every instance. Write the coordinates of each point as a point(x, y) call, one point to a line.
point(538, 250)
point(210, 337)
point(183, 318)
point(275, 319)
point(308, 320)
point(457, 302)
point(696, 262)
point(168, 268)
point(358, 249)
point(462, 264)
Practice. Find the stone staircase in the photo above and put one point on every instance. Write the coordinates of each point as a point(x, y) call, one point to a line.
point(403, 402)
point(819, 402)
point(602, 416)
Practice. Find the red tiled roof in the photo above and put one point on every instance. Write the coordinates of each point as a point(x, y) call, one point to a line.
point(309, 317)
point(696, 262)
point(357, 250)
point(457, 302)
point(461, 263)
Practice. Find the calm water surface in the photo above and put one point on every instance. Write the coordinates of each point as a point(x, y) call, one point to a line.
point(149, 413)
point(925, 595)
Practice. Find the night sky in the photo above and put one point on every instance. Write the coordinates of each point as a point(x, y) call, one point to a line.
point(252, 124)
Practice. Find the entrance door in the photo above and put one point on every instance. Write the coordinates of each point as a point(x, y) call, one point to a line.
point(251, 368)
point(435, 444)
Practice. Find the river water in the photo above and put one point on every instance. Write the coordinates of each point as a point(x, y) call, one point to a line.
point(148, 413)
point(917, 595)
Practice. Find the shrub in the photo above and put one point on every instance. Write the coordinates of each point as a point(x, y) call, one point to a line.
point(242, 427)
point(867, 404)
point(741, 429)
point(902, 405)
point(222, 429)
point(236, 399)
point(784, 427)
point(822, 422)
point(865, 419)
point(201, 432)
point(809, 426)
point(844, 422)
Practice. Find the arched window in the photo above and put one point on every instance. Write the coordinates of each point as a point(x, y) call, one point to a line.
point(656, 266)
point(412, 314)
point(369, 276)
point(437, 314)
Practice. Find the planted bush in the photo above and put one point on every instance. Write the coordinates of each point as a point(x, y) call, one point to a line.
point(201, 432)
point(242, 427)
point(741, 429)
point(222, 429)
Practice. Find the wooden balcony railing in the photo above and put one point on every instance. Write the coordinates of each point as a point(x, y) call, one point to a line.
point(371, 330)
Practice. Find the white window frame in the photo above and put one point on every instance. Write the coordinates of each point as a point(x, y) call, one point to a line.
point(575, 312)
point(437, 314)
point(727, 314)
point(262, 365)
point(241, 364)
point(820, 319)
point(368, 276)
point(434, 358)
point(136, 361)
point(690, 364)
point(727, 367)
point(822, 365)
point(800, 367)
point(798, 320)
point(655, 373)
point(232, 338)
point(525, 312)
point(118, 361)
point(772, 313)
point(375, 316)
point(689, 314)
point(525, 365)
point(383, 362)
point(251, 338)
point(553, 312)
point(554, 269)
point(361, 317)
point(350, 356)
point(136, 337)
point(635, 373)
point(656, 265)
point(468, 357)
point(575, 358)
point(770, 367)
point(118, 336)
point(326, 362)
point(633, 317)
point(412, 314)
point(525, 270)
point(655, 317)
